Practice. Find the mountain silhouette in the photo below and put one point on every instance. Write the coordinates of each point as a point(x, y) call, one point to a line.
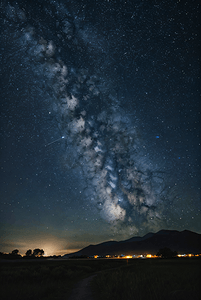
point(181, 241)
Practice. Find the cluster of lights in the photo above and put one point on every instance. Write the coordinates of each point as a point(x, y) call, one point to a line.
point(144, 256)
point(186, 255)
point(128, 256)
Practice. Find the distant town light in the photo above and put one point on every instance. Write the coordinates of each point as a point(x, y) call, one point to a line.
point(128, 256)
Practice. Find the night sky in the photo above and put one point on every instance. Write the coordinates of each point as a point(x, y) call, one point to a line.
point(100, 121)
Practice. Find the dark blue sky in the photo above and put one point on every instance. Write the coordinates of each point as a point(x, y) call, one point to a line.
point(100, 121)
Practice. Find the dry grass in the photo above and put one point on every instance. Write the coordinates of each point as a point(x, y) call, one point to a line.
point(46, 280)
point(150, 280)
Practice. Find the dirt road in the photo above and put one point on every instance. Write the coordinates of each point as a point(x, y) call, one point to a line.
point(82, 290)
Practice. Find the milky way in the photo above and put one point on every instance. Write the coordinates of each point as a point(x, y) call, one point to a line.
point(104, 144)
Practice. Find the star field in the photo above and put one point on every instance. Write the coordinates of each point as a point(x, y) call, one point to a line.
point(100, 118)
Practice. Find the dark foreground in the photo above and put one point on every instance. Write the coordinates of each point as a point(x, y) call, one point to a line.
point(130, 279)
point(151, 279)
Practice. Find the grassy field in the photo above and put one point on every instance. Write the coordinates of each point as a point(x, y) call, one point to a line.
point(176, 279)
point(151, 279)
point(46, 280)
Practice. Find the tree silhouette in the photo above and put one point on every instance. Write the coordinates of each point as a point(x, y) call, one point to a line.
point(166, 253)
point(15, 252)
point(38, 252)
point(29, 252)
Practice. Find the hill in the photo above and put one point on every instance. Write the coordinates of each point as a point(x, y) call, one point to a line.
point(181, 241)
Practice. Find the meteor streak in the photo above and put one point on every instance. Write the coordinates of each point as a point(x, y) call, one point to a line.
point(55, 141)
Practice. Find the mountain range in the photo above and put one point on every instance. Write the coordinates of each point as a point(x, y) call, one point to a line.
point(181, 241)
